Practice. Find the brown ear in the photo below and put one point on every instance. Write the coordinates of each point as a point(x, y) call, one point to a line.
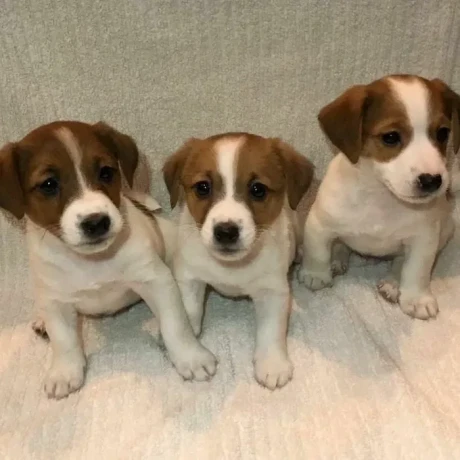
point(452, 101)
point(341, 121)
point(172, 170)
point(122, 146)
point(11, 194)
point(298, 169)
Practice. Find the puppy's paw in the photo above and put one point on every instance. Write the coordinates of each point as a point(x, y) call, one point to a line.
point(195, 363)
point(38, 326)
point(273, 370)
point(389, 290)
point(314, 280)
point(339, 267)
point(65, 376)
point(422, 306)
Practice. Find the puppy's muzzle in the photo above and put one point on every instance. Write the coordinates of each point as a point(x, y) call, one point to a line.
point(429, 183)
point(95, 226)
point(226, 236)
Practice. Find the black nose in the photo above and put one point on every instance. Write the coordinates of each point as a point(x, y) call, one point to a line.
point(95, 225)
point(429, 183)
point(226, 233)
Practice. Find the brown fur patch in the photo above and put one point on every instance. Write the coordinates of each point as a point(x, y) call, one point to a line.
point(269, 161)
point(356, 120)
point(41, 155)
point(258, 162)
point(194, 162)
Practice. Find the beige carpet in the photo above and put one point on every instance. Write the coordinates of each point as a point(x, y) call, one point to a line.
point(369, 382)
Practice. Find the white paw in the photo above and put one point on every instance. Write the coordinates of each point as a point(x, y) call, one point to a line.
point(65, 376)
point(195, 363)
point(339, 267)
point(273, 370)
point(389, 290)
point(422, 306)
point(314, 280)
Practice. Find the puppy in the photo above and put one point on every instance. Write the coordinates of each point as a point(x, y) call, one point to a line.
point(92, 250)
point(237, 232)
point(385, 193)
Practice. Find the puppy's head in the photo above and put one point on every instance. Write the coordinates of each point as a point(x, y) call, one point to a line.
point(235, 186)
point(65, 177)
point(402, 123)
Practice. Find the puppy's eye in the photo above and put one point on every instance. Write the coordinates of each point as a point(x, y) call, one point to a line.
point(258, 191)
point(106, 174)
point(203, 188)
point(49, 187)
point(391, 139)
point(442, 134)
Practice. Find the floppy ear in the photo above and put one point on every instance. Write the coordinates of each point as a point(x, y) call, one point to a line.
point(341, 121)
point(298, 170)
point(452, 100)
point(172, 170)
point(11, 194)
point(122, 146)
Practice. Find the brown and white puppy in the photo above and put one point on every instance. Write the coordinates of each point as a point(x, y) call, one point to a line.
point(384, 194)
point(92, 249)
point(237, 232)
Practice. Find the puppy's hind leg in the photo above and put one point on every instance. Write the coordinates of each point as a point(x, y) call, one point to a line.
point(340, 258)
point(388, 287)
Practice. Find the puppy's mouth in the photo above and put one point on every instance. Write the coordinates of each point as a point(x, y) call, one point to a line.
point(95, 245)
point(228, 253)
point(416, 198)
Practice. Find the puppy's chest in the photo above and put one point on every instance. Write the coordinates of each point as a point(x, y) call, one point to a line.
point(371, 223)
point(264, 272)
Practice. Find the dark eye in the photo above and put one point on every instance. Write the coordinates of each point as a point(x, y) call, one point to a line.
point(106, 174)
point(391, 139)
point(258, 191)
point(49, 187)
point(203, 188)
point(442, 134)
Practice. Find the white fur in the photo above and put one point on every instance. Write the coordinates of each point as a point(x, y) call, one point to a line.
point(228, 208)
point(371, 208)
point(127, 266)
point(86, 202)
point(260, 271)
point(68, 283)
point(420, 156)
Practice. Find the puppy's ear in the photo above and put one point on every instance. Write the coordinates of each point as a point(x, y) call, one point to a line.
point(172, 170)
point(298, 170)
point(122, 146)
point(11, 194)
point(452, 101)
point(342, 120)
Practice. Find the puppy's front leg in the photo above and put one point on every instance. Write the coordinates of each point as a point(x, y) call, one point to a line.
point(191, 359)
point(67, 370)
point(316, 271)
point(416, 299)
point(271, 361)
point(193, 293)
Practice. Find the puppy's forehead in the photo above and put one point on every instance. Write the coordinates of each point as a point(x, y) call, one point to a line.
point(407, 99)
point(74, 139)
point(413, 95)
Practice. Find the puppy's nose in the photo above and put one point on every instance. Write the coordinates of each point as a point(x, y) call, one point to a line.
point(226, 233)
point(95, 225)
point(429, 183)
